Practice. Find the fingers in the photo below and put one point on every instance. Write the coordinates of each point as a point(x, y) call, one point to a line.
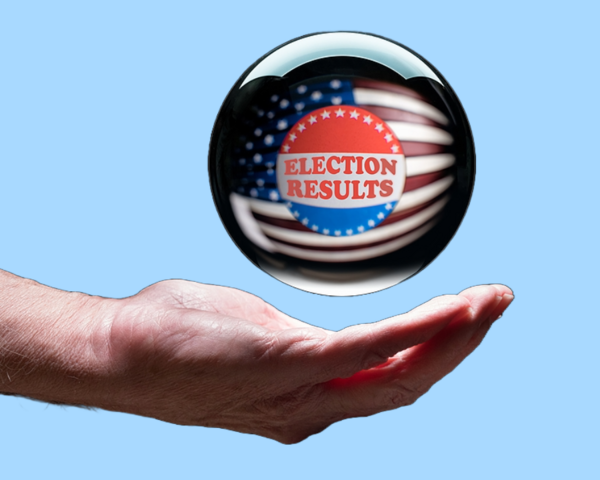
point(342, 354)
point(411, 373)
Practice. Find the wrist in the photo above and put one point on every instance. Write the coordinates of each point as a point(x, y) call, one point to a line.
point(53, 344)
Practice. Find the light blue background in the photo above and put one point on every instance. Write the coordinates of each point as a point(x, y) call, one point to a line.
point(106, 109)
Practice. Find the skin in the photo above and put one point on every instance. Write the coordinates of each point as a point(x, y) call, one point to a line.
point(194, 354)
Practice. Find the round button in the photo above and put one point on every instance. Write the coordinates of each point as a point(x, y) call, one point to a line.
point(341, 163)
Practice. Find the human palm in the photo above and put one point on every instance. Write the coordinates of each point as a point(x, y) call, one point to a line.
point(196, 354)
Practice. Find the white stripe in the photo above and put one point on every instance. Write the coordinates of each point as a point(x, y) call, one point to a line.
point(415, 132)
point(367, 96)
point(270, 209)
point(377, 235)
point(428, 164)
point(354, 255)
point(421, 195)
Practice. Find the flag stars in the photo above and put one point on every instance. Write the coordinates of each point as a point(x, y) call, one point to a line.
point(282, 124)
point(316, 96)
point(315, 228)
point(354, 115)
point(305, 221)
point(299, 106)
point(249, 146)
point(258, 132)
point(254, 193)
point(361, 229)
point(274, 98)
point(293, 137)
point(284, 103)
point(339, 112)
point(388, 137)
point(367, 119)
point(301, 127)
point(270, 115)
point(349, 231)
point(336, 100)
point(380, 215)
point(257, 158)
point(326, 231)
point(302, 89)
point(325, 114)
point(269, 140)
point(273, 196)
point(312, 119)
point(337, 233)
point(371, 223)
point(395, 148)
point(379, 127)
point(388, 206)
point(286, 148)
point(296, 214)
point(260, 182)
point(335, 84)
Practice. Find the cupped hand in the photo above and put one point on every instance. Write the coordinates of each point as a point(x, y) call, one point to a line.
point(195, 354)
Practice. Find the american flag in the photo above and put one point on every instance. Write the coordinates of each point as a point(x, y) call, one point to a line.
point(422, 130)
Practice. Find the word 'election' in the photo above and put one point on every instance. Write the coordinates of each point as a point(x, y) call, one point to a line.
point(327, 187)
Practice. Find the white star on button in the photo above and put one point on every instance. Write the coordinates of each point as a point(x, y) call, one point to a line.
point(354, 115)
point(325, 114)
point(388, 137)
point(367, 119)
point(395, 148)
point(339, 112)
point(301, 127)
point(312, 119)
point(286, 148)
point(379, 127)
point(293, 137)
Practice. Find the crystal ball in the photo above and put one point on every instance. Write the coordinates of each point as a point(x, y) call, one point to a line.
point(341, 163)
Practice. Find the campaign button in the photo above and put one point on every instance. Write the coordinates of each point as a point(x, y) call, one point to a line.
point(341, 170)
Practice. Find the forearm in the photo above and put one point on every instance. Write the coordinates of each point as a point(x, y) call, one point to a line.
point(53, 343)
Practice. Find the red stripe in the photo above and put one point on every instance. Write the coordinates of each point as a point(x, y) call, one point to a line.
point(418, 181)
point(392, 114)
point(342, 248)
point(419, 148)
point(388, 87)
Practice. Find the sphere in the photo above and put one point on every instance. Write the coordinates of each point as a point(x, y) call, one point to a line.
point(341, 163)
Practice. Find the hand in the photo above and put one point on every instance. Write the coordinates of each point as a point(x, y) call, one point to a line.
point(195, 354)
